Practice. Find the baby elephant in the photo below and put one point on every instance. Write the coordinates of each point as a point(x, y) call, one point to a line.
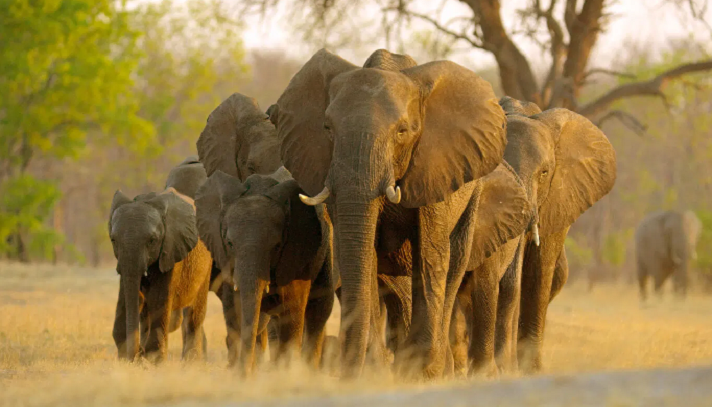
point(280, 249)
point(165, 270)
point(664, 243)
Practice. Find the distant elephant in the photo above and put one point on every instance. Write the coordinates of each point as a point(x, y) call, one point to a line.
point(567, 164)
point(395, 155)
point(280, 249)
point(164, 268)
point(486, 315)
point(664, 243)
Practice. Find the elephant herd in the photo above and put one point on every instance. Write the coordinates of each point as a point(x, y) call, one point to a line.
point(435, 213)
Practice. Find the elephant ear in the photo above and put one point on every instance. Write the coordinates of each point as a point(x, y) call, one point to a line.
point(514, 106)
point(226, 133)
point(273, 113)
point(210, 210)
point(387, 61)
point(463, 133)
point(303, 237)
point(119, 200)
point(187, 177)
point(503, 212)
point(181, 234)
point(305, 145)
point(585, 168)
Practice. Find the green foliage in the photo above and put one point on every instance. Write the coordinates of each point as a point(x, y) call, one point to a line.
point(704, 245)
point(579, 256)
point(66, 70)
point(614, 247)
point(25, 205)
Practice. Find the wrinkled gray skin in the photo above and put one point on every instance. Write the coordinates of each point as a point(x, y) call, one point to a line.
point(280, 248)
point(567, 164)
point(665, 241)
point(165, 271)
point(422, 135)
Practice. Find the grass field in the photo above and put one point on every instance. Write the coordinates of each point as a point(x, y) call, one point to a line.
point(56, 346)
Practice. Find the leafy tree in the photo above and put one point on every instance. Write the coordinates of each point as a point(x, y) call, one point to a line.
point(65, 73)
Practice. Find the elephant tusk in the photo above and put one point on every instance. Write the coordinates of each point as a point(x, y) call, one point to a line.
point(321, 197)
point(234, 287)
point(535, 233)
point(393, 194)
point(267, 289)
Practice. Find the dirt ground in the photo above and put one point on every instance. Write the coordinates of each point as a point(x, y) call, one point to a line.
point(56, 349)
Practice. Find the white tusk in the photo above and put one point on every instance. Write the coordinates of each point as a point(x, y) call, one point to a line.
point(145, 273)
point(535, 233)
point(234, 287)
point(267, 289)
point(393, 194)
point(321, 197)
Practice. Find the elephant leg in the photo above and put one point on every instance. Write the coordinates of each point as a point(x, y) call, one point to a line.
point(294, 297)
point(318, 311)
point(561, 275)
point(658, 283)
point(459, 339)
point(642, 281)
point(119, 331)
point(437, 274)
point(376, 351)
point(159, 303)
point(484, 313)
point(144, 324)
point(231, 313)
point(508, 313)
point(273, 337)
point(537, 278)
point(193, 340)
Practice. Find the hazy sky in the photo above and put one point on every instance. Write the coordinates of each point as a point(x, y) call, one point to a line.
point(642, 23)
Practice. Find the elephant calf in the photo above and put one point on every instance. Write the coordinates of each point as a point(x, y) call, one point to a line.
point(664, 243)
point(280, 251)
point(165, 270)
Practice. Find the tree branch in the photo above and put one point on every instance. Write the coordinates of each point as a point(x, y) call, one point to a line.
point(627, 119)
point(652, 87)
point(514, 70)
point(610, 72)
point(437, 25)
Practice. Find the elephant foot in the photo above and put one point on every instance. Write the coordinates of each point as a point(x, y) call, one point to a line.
point(529, 356)
point(488, 370)
point(419, 363)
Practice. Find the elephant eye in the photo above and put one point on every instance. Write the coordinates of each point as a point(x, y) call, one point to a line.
point(229, 244)
point(327, 126)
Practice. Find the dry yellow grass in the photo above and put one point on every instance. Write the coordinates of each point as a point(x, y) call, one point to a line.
point(56, 346)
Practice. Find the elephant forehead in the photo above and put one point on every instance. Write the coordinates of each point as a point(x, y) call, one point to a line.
point(369, 85)
point(257, 209)
point(134, 218)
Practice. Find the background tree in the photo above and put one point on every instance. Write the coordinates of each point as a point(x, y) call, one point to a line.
point(65, 69)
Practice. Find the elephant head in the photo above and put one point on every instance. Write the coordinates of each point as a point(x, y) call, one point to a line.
point(187, 176)
point(152, 233)
point(415, 134)
point(239, 139)
point(565, 161)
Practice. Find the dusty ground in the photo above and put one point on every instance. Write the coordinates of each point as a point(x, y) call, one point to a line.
point(56, 349)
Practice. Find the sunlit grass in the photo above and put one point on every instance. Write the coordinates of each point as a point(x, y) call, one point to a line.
point(56, 346)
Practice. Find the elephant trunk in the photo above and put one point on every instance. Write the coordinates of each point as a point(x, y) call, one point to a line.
point(131, 267)
point(355, 231)
point(250, 264)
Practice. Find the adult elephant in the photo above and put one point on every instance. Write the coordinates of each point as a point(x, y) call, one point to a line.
point(567, 164)
point(420, 136)
point(665, 241)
